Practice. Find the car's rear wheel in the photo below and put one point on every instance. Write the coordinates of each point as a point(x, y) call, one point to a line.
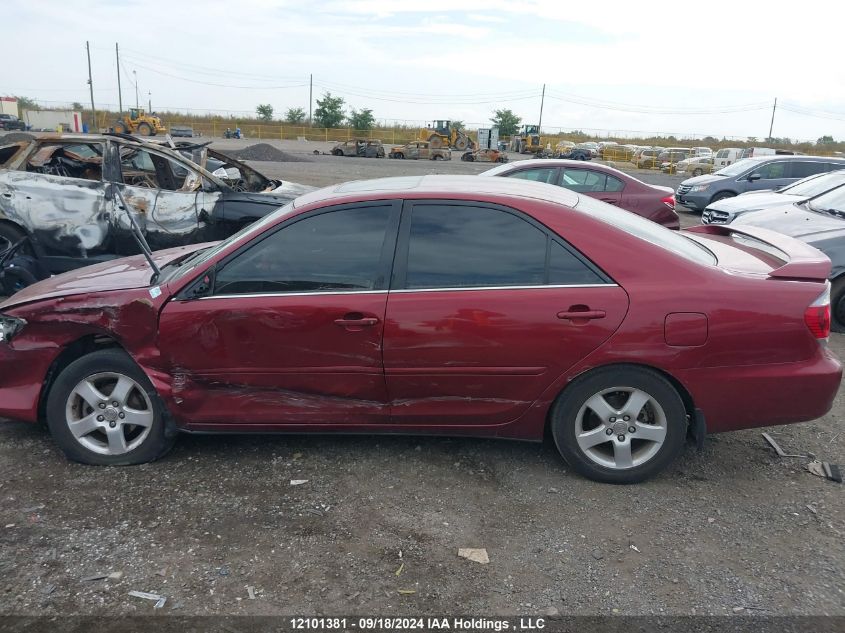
point(697, 172)
point(619, 425)
point(103, 410)
point(837, 305)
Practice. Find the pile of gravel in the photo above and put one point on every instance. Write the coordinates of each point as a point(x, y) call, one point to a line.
point(265, 152)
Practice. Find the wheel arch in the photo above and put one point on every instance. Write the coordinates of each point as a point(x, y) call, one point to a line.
point(683, 392)
point(71, 352)
point(721, 194)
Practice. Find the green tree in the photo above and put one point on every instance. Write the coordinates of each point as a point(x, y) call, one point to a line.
point(361, 119)
point(459, 125)
point(77, 106)
point(825, 140)
point(294, 115)
point(264, 112)
point(25, 103)
point(329, 112)
point(506, 121)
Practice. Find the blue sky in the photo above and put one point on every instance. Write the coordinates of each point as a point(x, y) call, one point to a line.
point(608, 65)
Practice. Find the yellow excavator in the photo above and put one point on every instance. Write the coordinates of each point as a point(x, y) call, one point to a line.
point(136, 121)
point(527, 140)
point(444, 134)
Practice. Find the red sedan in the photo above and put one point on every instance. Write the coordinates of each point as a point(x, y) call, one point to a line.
point(423, 305)
point(604, 183)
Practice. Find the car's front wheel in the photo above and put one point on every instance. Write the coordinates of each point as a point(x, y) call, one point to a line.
point(102, 409)
point(619, 425)
point(722, 196)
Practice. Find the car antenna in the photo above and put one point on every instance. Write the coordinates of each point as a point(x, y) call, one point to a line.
point(136, 232)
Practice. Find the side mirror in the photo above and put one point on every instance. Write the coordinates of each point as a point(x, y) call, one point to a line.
point(754, 176)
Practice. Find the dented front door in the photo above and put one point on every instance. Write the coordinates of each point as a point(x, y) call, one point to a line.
point(290, 333)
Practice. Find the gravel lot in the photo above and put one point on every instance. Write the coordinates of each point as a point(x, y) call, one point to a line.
point(377, 525)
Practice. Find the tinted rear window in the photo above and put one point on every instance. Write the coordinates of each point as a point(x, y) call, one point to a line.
point(647, 230)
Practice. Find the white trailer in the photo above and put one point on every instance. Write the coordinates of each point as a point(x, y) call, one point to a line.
point(9, 105)
point(488, 138)
point(70, 120)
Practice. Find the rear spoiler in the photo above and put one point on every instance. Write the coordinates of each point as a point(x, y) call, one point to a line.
point(803, 260)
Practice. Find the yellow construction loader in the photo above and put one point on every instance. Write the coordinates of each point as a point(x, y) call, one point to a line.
point(136, 121)
point(444, 134)
point(527, 140)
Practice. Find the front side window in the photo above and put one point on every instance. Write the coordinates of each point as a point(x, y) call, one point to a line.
point(771, 171)
point(452, 246)
point(142, 168)
point(337, 251)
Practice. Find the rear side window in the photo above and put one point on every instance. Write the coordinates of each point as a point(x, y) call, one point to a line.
point(647, 230)
point(456, 246)
point(802, 169)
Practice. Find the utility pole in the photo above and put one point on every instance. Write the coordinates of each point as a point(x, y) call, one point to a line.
point(137, 103)
point(772, 124)
point(542, 100)
point(150, 103)
point(91, 86)
point(310, 96)
point(119, 93)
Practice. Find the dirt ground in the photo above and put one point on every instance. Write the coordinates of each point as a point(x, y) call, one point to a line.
point(217, 527)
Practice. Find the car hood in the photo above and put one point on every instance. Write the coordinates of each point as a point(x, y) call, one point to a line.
point(117, 274)
point(702, 180)
point(753, 202)
point(795, 221)
point(290, 190)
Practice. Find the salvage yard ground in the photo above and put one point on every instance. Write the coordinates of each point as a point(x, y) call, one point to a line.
point(218, 528)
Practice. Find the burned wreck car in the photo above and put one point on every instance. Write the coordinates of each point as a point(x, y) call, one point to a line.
point(65, 201)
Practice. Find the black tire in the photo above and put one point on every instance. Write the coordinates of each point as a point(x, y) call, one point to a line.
point(837, 305)
point(120, 128)
point(337, 152)
point(697, 172)
point(722, 196)
point(565, 423)
point(144, 129)
point(154, 445)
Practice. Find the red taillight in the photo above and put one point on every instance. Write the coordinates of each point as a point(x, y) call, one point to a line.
point(817, 315)
point(669, 201)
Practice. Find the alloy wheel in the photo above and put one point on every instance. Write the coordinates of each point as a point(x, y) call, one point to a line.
point(109, 413)
point(620, 427)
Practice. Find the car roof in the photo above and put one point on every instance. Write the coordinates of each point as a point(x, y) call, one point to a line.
point(798, 157)
point(438, 186)
point(557, 162)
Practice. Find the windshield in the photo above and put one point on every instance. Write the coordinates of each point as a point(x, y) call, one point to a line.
point(647, 230)
point(830, 201)
point(736, 169)
point(184, 267)
point(815, 185)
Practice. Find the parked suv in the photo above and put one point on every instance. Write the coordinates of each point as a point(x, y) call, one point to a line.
point(11, 122)
point(749, 174)
point(674, 154)
point(647, 159)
